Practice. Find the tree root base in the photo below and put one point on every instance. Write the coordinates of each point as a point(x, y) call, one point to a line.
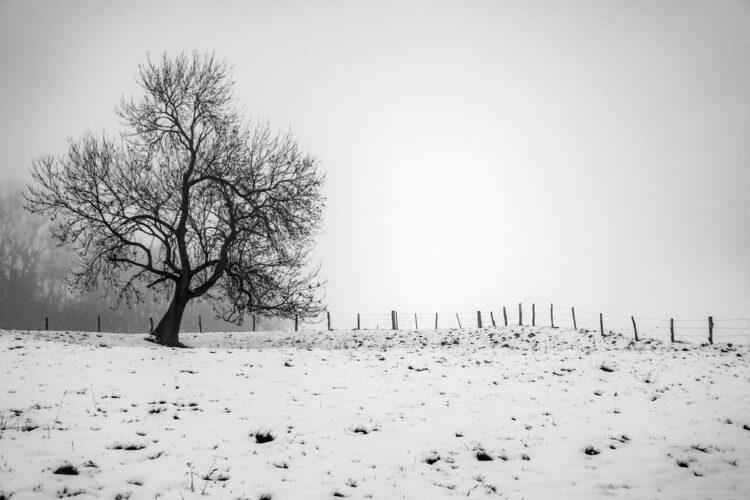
point(155, 340)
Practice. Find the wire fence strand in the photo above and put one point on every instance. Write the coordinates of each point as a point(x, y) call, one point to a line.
point(712, 330)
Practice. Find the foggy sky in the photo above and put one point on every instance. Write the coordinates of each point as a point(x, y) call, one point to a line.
point(478, 154)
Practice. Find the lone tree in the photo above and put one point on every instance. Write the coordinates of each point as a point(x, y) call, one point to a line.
point(191, 200)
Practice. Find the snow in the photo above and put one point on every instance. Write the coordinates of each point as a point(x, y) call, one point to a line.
point(373, 414)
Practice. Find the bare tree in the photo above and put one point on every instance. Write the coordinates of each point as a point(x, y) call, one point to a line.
point(191, 200)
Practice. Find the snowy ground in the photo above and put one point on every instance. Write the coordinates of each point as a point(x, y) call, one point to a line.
point(373, 414)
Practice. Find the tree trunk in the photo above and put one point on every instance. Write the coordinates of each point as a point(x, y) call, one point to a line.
point(167, 332)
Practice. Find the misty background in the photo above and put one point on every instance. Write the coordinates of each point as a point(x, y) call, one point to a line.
point(478, 154)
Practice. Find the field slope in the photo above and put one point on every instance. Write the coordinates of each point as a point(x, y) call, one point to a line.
point(499, 412)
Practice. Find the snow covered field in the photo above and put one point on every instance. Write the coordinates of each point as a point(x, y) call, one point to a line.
point(499, 412)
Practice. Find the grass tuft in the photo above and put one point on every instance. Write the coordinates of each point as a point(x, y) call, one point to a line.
point(128, 446)
point(263, 436)
point(66, 469)
point(591, 451)
point(29, 426)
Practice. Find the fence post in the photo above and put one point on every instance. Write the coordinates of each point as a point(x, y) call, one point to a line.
point(397, 325)
point(552, 315)
point(479, 319)
point(711, 330)
point(505, 316)
point(415, 322)
point(358, 325)
point(253, 322)
point(459, 321)
point(635, 328)
point(393, 320)
point(492, 317)
point(296, 323)
point(46, 322)
point(328, 316)
point(520, 315)
point(151, 324)
point(200, 324)
point(671, 329)
point(436, 319)
point(573, 310)
point(99, 323)
point(533, 314)
point(601, 323)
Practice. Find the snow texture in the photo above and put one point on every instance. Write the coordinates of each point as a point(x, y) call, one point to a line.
point(497, 412)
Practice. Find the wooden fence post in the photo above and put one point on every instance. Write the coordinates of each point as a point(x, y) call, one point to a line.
point(671, 329)
point(533, 314)
point(393, 320)
point(358, 324)
point(436, 320)
point(46, 322)
point(573, 310)
point(520, 315)
point(253, 322)
point(397, 326)
point(552, 315)
point(416, 324)
point(492, 317)
point(99, 323)
point(200, 324)
point(505, 316)
point(601, 323)
point(328, 316)
point(459, 321)
point(635, 328)
point(296, 323)
point(151, 324)
point(479, 319)
point(711, 330)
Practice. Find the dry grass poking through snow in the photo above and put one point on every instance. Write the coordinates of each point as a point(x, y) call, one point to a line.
point(508, 412)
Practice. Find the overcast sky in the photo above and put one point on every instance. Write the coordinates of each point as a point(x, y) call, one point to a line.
point(478, 154)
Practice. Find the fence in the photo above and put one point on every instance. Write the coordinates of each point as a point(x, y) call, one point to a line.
point(710, 329)
point(137, 323)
